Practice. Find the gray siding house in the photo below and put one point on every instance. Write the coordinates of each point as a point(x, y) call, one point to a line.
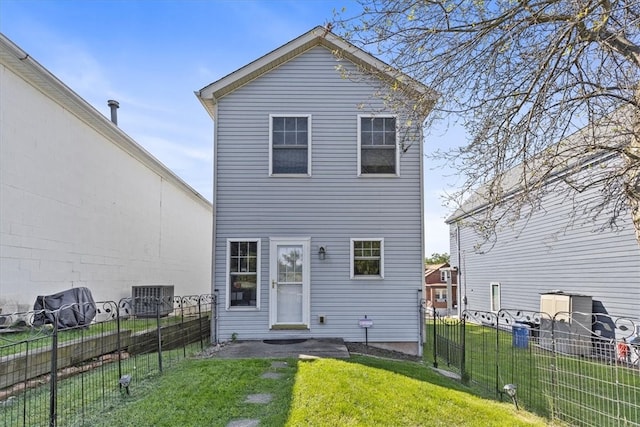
point(318, 197)
point(550, 253)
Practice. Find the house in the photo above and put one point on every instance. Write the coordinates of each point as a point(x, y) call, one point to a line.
point(318, 196)
point(544, 255)
point(437, 279)
point(82, 204)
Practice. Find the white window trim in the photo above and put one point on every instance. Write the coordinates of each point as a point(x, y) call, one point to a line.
point(381, 116)
point(352, 254)
point(228, 279)
point(491, 285)
point(309, 139)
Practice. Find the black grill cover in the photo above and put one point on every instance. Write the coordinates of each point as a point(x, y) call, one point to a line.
point(78, 308)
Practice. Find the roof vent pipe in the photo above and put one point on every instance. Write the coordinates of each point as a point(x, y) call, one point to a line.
point(114, 105)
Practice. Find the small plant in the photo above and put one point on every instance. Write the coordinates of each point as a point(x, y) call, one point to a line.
point(234, 337)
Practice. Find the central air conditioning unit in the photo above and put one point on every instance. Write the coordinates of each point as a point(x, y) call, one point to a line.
point(567, 320)
point(151, 300)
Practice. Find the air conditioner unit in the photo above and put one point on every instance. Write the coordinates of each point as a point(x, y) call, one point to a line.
point(567, 320)
point(150, 300)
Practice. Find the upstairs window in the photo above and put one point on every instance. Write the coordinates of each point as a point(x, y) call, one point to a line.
point(289, 144)
point(377, 145)
point(367, 258)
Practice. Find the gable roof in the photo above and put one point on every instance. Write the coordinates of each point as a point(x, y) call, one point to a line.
point(20, 63)
point(319, 36)
point(571, 154)
point(431, 268)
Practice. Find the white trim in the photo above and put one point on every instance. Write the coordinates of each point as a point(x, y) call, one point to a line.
point(228, 274)
point(33, 73)
point(306, 277)
point(491, 286)
point(359, 145)
point(351, 257)
point(309, 144)
point(318, 36)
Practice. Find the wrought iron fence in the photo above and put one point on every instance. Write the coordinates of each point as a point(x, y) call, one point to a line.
point(580, 368)
point(52, 375)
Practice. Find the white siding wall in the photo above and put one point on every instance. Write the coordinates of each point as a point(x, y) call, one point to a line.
point(330, 207)
point(547, 256)
point(76, 210)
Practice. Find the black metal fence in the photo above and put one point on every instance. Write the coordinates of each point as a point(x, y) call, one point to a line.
point(580, 368)
point(53, 375)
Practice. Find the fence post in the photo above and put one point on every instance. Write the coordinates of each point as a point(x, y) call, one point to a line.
point(53, 383)
point(435, 340)
point(463, 357)
point(200, 322)
point(118, 342)
point(185, 338)
point(26, 378)
point(498, 357)
point(159, 301)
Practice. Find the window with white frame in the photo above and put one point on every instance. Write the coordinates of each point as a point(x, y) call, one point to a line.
point(495, 296)
point(243, 273)
point(444, 275)
point(289, 144)
point(367, 258)
point(441, 295)
point(377, 145)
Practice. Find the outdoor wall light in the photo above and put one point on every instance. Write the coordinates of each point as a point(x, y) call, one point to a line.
point(322, 252)
point(510, 389)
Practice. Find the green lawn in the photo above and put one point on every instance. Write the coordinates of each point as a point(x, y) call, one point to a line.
point(575, 388)
point(361, 391)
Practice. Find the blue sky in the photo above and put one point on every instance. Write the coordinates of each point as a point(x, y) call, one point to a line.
point(152, 55)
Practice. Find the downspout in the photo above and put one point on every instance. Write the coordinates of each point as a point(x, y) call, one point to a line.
point(462, 298)
point(421, 296)
point(214, 319)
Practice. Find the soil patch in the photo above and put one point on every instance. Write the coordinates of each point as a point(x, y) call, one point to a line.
point(359, 348)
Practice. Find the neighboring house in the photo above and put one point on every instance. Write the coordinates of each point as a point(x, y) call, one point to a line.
point(546, 255)
point(82, 204)
point(437, 277)
point(318, 195)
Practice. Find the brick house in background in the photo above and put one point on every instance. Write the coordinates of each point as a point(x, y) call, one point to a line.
point(435, 281)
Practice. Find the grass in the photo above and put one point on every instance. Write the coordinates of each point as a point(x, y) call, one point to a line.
point(580, 390)
point(82, 395)
point(203, 392)
point(361, 391)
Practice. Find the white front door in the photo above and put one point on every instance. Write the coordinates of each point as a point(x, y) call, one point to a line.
point(289, 283)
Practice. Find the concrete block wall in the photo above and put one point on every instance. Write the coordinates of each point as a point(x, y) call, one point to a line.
point(78, 209)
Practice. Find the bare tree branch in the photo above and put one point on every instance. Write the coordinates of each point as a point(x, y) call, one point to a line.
point(524, 76)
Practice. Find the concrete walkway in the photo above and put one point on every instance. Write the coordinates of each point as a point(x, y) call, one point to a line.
point(278, 349)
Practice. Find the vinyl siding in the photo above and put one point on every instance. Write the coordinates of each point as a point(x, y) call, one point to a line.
point(545, 255)
point(331, 206)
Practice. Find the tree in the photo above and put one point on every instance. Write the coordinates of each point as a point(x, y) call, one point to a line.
point(522, 76)
point(437, 258)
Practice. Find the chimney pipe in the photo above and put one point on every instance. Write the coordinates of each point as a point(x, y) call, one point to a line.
point(114, 105)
